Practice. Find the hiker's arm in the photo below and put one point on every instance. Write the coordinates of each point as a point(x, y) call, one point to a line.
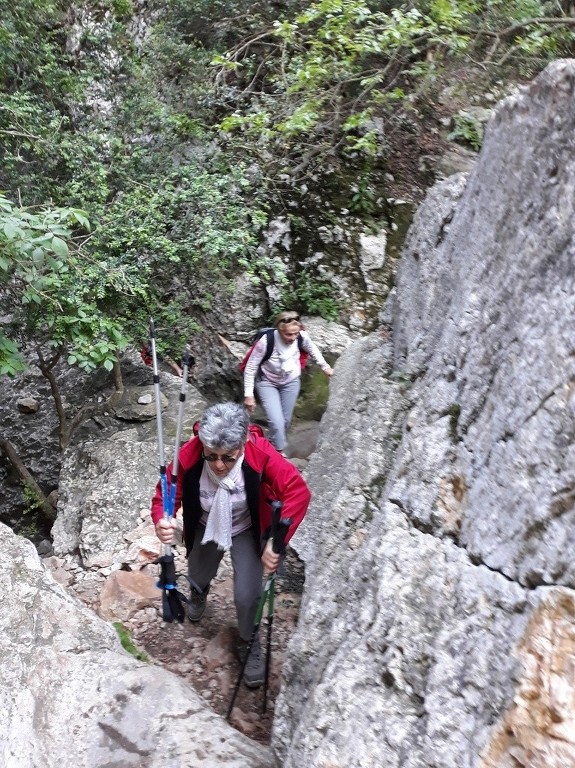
point(315, 353)
point(252, 367)
point(173, 365)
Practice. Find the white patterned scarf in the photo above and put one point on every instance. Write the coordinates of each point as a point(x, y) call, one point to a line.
point(219, 524)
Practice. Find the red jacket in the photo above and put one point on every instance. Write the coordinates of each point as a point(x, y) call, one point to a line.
point(268, 477)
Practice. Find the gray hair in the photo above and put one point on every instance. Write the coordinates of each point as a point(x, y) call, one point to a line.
point(224, 426)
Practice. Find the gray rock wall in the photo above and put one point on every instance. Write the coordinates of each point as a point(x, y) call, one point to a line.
point(106, 481)
point(436, 625)
point(70, 696)
point(487, 318)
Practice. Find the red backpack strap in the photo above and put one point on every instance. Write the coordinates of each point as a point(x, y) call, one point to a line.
point(303, 354)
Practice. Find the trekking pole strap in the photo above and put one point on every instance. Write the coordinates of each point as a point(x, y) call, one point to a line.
point(279, 527)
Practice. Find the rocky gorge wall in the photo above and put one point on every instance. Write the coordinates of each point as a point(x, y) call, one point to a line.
point(437, 626)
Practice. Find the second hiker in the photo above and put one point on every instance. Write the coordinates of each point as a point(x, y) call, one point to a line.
point(277, 379)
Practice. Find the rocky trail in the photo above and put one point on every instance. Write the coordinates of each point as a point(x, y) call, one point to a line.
point(203, 652)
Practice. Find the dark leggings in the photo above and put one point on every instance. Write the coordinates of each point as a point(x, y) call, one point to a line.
point(203, 563)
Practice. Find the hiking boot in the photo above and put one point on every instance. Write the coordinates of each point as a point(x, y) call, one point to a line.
point(197, 603)
point(255, 669)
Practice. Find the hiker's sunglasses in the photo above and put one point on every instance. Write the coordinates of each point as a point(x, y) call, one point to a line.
point(290, 319)
point(226, 459)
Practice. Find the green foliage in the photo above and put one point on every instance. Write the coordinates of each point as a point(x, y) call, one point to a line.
point(162, 215)
point(220, 24)
point(467, 129)
point(123, 9)
point(11, 360)
point(31, 48)
point(314, 294)
point(363, 200)
point(335, 56)
point(127, 642)
point(32, 503)
point(58, 295)
point(314, 82)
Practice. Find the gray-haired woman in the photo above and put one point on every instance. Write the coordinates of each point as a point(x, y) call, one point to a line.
point(226, 477)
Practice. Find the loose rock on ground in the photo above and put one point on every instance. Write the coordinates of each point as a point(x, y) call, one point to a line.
point(202, 653)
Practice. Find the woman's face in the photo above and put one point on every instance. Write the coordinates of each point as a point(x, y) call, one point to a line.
point(288, 332)
point(221, 461)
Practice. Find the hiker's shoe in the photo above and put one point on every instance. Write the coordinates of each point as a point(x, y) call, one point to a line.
point(255, 669)
point(197, 603)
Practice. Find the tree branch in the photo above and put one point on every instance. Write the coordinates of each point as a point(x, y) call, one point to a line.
point(27, 479)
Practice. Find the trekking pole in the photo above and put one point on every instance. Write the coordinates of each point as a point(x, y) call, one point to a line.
point(172, 608)
point(279, 531)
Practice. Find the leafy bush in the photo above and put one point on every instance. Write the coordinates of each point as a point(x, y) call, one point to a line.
point(314, 295)
point(467, 130)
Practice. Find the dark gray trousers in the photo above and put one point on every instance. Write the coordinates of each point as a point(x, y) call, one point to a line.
point(203, 562)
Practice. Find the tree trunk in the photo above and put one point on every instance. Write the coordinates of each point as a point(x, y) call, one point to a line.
point(27, 480)
point(67, 426)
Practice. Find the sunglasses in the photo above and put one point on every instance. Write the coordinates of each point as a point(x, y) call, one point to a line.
point(290, 319)
point(226, 459)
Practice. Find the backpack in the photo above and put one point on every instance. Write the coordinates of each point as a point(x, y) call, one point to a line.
point(146, 354)
point(269, 333)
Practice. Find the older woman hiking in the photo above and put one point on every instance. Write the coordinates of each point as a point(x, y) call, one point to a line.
point(226, 478)
point(277, 379)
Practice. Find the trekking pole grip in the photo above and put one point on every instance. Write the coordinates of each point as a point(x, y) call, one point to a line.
point(282, 527)
point(279, 527)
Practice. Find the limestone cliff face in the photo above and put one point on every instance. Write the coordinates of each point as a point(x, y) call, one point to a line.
point(437, 622)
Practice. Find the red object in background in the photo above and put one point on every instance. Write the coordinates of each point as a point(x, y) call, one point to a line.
point(146, 354)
